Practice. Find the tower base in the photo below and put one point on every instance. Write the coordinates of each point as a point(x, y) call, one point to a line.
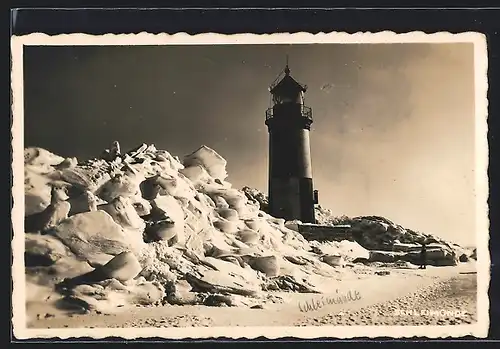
point(292, 198)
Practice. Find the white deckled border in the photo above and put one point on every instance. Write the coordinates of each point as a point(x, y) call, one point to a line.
point(480, 329)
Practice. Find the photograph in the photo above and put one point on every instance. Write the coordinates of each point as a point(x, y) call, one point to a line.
point(308, 185)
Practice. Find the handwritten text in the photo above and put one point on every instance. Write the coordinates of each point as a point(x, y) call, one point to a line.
point(338, 298)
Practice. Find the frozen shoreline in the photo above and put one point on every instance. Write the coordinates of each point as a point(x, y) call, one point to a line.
point(142, 240)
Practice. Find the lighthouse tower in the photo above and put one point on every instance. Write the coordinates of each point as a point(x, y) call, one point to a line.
point(289, 121)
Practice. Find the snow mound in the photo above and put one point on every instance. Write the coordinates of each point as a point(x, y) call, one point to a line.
point(147, 229)
point(212, 162)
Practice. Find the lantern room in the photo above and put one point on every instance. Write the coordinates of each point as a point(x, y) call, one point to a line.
point(287, 90)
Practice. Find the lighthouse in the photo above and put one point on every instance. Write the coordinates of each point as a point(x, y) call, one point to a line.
point(289, 120)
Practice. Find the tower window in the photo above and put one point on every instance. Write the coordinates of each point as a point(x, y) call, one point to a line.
point(288, 98)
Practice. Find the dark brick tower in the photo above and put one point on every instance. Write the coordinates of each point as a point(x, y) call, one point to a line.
point(290, 171)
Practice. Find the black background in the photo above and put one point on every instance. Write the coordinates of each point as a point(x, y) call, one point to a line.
point(193, 20)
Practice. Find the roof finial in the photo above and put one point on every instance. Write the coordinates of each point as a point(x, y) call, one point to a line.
point(287, 69)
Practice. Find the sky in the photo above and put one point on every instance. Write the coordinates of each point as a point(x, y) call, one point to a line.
point(393, 130)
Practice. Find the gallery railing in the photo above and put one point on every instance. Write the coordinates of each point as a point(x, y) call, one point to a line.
point(305, 111)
